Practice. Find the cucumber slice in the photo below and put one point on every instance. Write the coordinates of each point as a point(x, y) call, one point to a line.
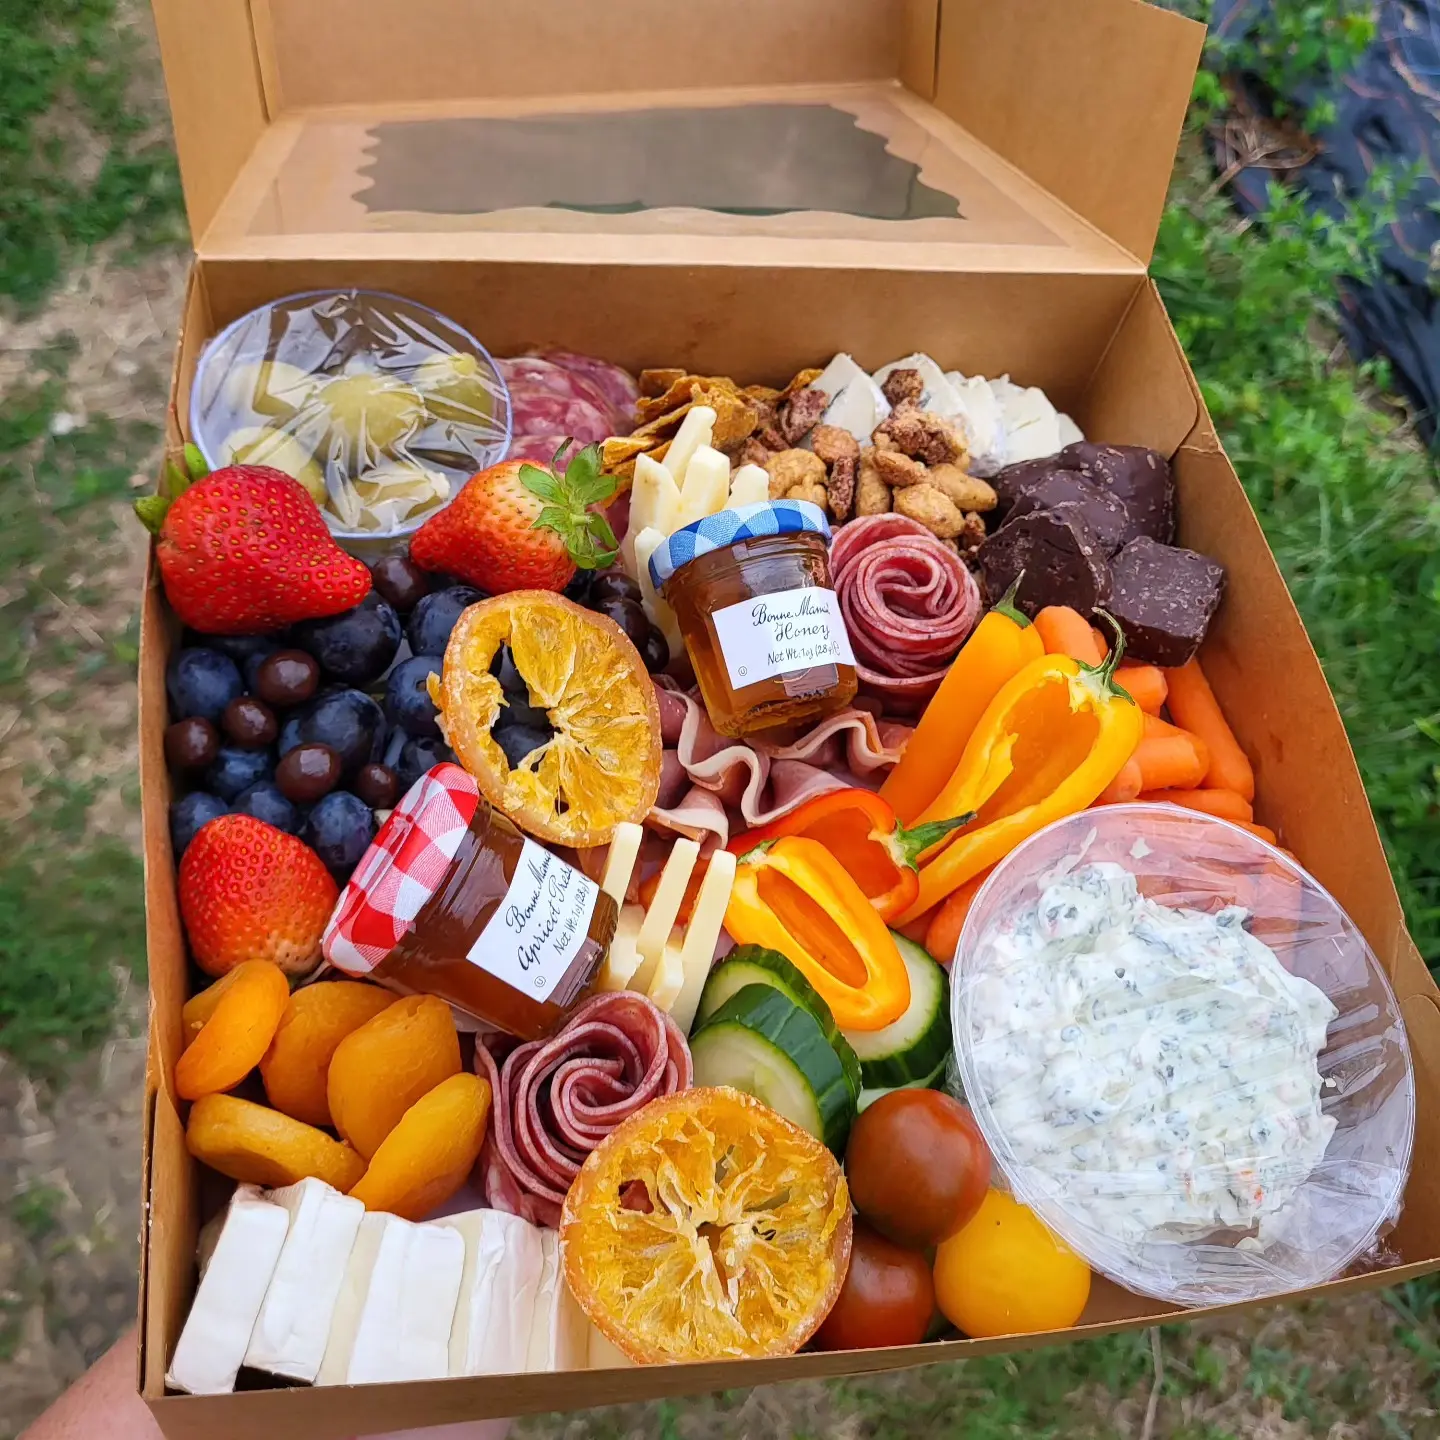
point(762, 1042)
point(913, 1046)
point(935, 1081)
point(755, 965)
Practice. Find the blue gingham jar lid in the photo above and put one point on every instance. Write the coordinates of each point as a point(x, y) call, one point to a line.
point(728, 527)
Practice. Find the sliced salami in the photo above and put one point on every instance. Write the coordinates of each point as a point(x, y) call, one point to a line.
point(909, 604)
point(618, 386)
point(555, 1100)
point(536, 410)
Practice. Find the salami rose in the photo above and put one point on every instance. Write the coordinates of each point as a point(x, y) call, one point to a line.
point(555, 1100)
point(909, 604)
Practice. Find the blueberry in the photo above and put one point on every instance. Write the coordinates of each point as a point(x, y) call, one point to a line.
point(201, 681)
point(348, 721)
point(517, 709)
point(407, 700)
point(655, 651)
point(339, 829)
point(252, 665)
point(517, 741)
point(432, 620)
point(355, 647)
point(239, 648)
point(418, 757)
point(265, 802)
point(614, 585)
point(188, 814)
point(579, 585)
point(234, 770)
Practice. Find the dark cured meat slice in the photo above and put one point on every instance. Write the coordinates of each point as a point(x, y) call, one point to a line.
point(1062, 561)
point(1106, 515)
point(909, 604)
point(616, 384)
point(1164, 599)
point(1139, 477)
point(555, 1100)
point(540, 448)
point(547, 375)
point(536, 410)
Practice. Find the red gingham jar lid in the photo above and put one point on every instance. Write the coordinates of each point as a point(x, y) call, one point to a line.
point(401, 870)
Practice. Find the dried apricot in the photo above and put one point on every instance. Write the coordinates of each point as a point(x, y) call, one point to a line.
point(315, 1021)
point(260, 1146)
point(380, 1070)
point(237, 1031)
point(424, 1160)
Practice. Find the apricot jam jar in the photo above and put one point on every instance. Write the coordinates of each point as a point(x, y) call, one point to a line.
point(750, 588)
point(452, 900)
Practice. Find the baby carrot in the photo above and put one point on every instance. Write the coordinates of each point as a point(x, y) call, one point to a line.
point(1263, 831)
point(1227, 804)
point(1125, 786)
point(1066, 632)
point(1171, 762)
point(1145, 683)
point(949, 919)
point(1192, 702)
point(1154, 726)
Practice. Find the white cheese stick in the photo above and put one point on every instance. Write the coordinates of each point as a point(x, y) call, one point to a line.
point(622, 959)
point(749, 485)
point(701, 937)
point(668, 978)
point(559, 1337)
point(696, 429)
point(233, 1281)
point(654, 504)
point(660, 917)
point(498, 1290)
point(620, 861)
point(707, 483)
point(646, 543)
point(294, 1322)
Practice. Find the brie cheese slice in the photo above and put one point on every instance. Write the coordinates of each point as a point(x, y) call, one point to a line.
point(233, 1280)
point(350, 1303)
point(294, 1322)
point(560, 1335)
point(498, 1290)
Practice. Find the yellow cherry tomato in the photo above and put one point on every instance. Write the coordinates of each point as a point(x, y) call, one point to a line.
point(1004, 1273)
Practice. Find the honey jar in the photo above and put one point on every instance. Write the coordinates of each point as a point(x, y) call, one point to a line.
point(452, 900)
point(751, 591)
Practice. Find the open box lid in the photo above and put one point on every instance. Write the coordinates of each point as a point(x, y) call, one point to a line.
point(1030, 135)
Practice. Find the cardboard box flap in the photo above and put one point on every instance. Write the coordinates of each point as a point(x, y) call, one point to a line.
point(766, 130)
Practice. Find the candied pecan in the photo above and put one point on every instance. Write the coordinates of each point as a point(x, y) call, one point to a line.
point(800, 413)
point(896, 469)
point(844, 472)
point(923, 436)
point(792, 468)
point(903, 385)
point(831, 443)
point(752, 452)
point(972, 536)
point(968, 492)
point(815, 494)
point(932, 508)
point(771, 438)
point(872, 494)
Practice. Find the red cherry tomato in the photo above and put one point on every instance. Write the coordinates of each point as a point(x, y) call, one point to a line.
point(888, 1297)
point(917, 1165)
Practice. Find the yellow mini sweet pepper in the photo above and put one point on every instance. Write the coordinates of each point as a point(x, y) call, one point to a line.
point(1053, 739)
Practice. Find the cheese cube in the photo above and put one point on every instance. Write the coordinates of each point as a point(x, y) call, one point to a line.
point(498, 1290)
point(233, 1280)
point(294, 1322)
point(559, 1336)
point(707, 483)
point(701, 937)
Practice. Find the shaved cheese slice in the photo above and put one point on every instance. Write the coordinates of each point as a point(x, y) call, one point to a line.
point(620, 862)
point(701, 937)
point(836, 376)
point(1032, 428)
point(1070, 432)
point(707, 483)
point(749, 485)
point(646, 543)
point(622, 959)
point(669, 977)
point(654, 504)
point(660, 918)
point(939, 394)
point(858, 408)
point(696, 429)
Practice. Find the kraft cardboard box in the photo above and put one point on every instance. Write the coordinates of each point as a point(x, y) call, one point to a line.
point(742, 189)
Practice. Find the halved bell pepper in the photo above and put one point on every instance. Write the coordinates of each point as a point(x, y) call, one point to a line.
point(860, 830)
point(794, 896)
point(1053, 739)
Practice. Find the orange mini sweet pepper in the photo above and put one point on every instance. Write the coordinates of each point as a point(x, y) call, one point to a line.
point(860, 830)
point(794, 896)
point(1053, 739)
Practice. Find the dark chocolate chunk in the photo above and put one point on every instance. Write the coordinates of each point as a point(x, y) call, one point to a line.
point(1012, 482)
point(1062, 560)
point(1139, 477)
point(1163, 598)
point(1106, 515)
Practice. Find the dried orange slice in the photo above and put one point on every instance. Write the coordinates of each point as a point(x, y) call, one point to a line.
point(743, 1248)
point(601, 764)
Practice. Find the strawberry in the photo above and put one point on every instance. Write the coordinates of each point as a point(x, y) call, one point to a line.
point(251, 892)
point(521, 526)
point(245, 550)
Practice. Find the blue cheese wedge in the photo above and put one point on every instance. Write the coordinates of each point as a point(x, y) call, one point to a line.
point(238, 1256)
point(1152, 1069)
point(294, 1322)
point(499, 1287)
